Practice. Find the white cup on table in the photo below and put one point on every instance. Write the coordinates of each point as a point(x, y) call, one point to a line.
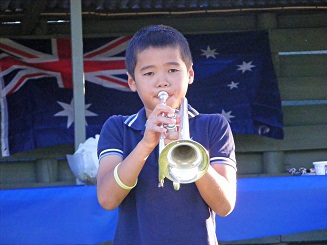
point(320, 167)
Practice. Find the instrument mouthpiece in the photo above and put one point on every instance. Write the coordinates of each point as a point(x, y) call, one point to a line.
point(163, 96)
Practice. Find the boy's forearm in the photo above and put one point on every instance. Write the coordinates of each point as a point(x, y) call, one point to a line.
point(218, 188)
point(110, 194)
point(132, 165)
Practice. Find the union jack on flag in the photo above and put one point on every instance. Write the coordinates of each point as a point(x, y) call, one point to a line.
point(36, 89)
point(101, 66)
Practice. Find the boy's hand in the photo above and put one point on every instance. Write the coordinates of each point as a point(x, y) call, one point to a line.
point(171, 136)
point(156, 126)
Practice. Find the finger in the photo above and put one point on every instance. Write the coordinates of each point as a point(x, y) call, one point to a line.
point(178, 119)
point(155, 125)
point(162, 109)
point(172, 135)
point(161, 121)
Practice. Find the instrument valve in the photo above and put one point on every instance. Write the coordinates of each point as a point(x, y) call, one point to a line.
point(172, 126)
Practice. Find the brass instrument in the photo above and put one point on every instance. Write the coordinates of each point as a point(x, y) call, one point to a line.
point(182, 161)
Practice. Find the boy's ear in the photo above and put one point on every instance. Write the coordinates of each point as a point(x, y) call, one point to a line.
point(191, 75)
point(131, 82)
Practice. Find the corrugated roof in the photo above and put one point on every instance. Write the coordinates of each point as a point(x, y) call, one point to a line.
point(128, 6)
point(28, 13)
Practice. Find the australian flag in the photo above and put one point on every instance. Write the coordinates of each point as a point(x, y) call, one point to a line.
point(234, 76)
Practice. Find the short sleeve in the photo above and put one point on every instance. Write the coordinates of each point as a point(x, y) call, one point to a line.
point(222, 146)
point(111, 140)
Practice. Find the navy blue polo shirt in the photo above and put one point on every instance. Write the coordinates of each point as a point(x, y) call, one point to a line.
point(153, 215)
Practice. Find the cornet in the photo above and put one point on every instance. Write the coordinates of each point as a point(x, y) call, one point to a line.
point(182, 161)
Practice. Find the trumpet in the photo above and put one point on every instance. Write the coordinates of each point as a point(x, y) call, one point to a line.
point(182, 161)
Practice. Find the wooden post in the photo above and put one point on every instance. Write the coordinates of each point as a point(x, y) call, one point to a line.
point(273, 162)
point(46, 170)
point(78, 71)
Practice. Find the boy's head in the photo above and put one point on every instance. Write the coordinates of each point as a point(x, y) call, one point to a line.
point(156, 36)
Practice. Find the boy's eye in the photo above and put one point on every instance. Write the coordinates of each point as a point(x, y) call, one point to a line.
point(172, 70)
point(148, 73)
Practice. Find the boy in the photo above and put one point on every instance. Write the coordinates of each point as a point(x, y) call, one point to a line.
point(158, 59)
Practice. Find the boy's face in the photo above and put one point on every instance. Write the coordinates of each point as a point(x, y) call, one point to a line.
point(160, 69)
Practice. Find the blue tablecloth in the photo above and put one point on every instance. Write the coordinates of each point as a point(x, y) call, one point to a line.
point(71, 215)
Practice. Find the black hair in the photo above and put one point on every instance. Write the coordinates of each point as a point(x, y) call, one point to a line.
point(157, 36)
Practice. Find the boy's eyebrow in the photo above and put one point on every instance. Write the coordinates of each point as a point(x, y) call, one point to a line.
point(173, 63)
point(168, 63)
point(146, 67)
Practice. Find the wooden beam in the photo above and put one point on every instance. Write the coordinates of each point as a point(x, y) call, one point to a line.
point(296, 138)
point(305, 115)
point(303, 87)
point(303, 65)
point(299, 39)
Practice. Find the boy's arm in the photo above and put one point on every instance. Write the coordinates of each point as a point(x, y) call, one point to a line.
point(109, 193)
point(218, 188)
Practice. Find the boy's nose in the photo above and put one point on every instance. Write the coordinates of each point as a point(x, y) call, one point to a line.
point(162, 82)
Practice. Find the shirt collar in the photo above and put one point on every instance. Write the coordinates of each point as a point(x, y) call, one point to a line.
point(138, 120)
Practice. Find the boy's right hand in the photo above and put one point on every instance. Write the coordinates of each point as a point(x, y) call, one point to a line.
point(156, 125)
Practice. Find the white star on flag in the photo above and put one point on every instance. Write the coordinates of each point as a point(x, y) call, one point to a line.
point(245, 66)
point(209, 52)
point(227, 115)
point(68, 111)
point(232, 85)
